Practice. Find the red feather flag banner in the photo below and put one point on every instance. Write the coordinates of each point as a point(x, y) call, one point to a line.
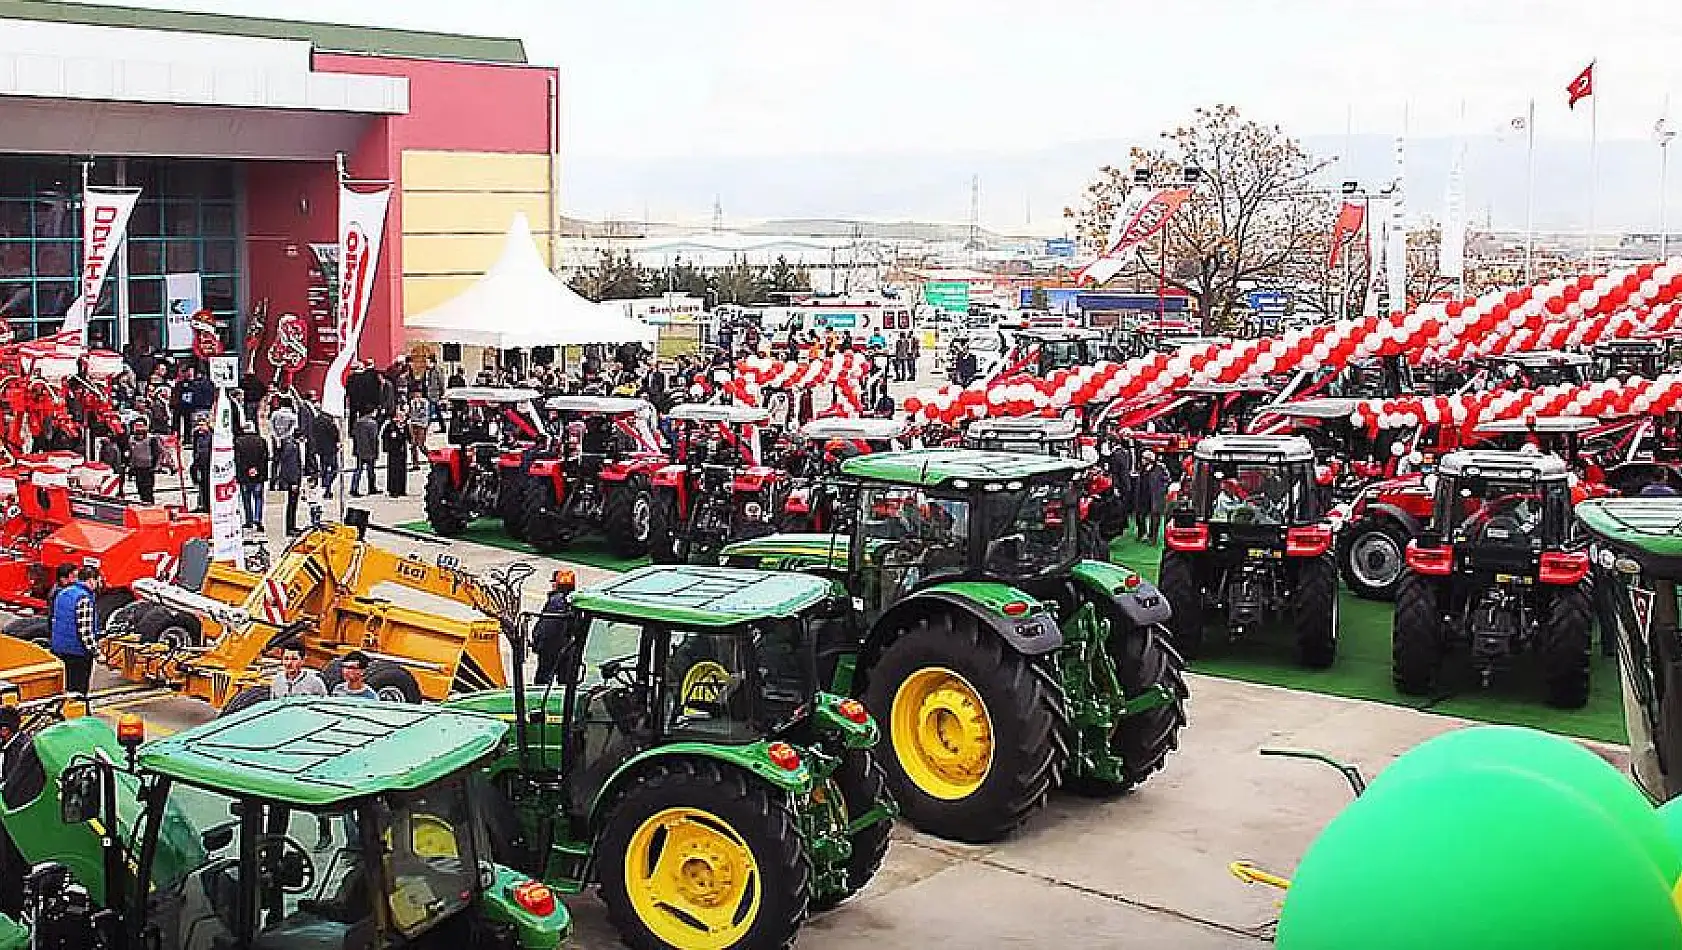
point(1349, 221)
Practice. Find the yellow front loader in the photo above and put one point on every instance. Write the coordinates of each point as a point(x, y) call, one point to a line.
point(331, 592)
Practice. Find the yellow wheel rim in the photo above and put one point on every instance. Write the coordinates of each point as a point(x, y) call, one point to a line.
point(941, 733)
point(692, 880)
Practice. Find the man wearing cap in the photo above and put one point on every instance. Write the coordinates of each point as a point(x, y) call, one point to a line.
point(549, 636)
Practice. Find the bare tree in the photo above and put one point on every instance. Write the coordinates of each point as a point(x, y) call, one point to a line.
point(1255, 214)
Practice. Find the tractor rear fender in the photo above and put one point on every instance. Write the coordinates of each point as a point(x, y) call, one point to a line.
point(1032, 631)
point(449, 455)
point(1137, 599)
point(511, 460)
point(755, 760)
point(671, 476)
point(755, 479)
point(617, 472)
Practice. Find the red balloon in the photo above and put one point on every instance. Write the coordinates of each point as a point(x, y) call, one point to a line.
point(1454, 308)
point(1555, 306)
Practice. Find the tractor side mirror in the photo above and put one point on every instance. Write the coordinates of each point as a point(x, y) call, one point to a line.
point(1005, 551)
point(217, 838)
point(79, 793)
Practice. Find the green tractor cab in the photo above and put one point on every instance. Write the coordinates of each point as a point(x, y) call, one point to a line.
point(197, 840)
point(1637, 553)
point(688, 764)
point(1003, 663)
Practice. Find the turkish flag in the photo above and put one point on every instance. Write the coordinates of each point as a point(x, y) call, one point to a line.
point(1349, 221)
point(1580, 88)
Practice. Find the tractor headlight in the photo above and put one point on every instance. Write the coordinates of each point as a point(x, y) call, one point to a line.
point(754, 509)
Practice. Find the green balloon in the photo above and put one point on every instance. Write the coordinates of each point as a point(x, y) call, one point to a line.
point(1477, 858)
point(1556, 758)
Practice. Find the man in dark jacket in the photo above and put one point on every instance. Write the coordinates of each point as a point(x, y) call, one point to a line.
point(145, 456)
point(1151, 497)
point(553, 630)
point(74, 629)
point(362, 390)
point(324, 445)
point(251, 470)
point(201, 462)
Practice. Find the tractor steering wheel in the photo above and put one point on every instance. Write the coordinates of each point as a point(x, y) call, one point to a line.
point(288, 867)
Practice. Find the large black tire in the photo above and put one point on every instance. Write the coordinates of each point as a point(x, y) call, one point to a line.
point(1177, 579)
point(440, 513)
point(1563, 645)
point(1381, 546)
point(1021, 710)
point(163, 624)
point(108, 602)
point(1314, 611)
point(746, 811)
point(1143, 661)
point(543, 522)
point(1417, 641)
point(862, 783)
point(245, 699)
point(510, 503)
point(662, 519)
point(627, 517)
point(33, 629)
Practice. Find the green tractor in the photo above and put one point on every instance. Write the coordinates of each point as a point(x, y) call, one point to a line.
point(1636, 549)
point(196, 840)
point(689, 765)
point(1003, 663)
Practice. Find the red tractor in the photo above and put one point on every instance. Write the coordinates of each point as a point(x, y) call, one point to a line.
point(595, 477)
point(49, 523)
point(466, 479)
point(816, 499)
point(1101, 506)
point(719, 490)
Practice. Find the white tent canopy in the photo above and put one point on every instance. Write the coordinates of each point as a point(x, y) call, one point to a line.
point(519, 303)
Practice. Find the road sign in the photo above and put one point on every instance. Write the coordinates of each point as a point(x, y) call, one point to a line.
point(949, 295)
point(1060, 247)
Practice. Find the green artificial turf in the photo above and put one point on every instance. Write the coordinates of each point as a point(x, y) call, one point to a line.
point(590, 551)
point(1362, 670)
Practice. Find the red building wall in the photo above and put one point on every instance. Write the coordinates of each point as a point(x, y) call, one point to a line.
point(453, 107)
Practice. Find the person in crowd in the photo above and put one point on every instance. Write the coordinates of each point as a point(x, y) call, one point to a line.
point(324, 449)
point(182, 402)
point(1119, 458)
point(294, 678)
point(74, 629)
point(433, 390)
point(283, 419)
point(902, 356)
point(458, 377)
point(397, 442)
point(354, 668)
point(362, 389)
point(553, 629)
point(419, 415)
point(1150, 497)
point(365, 450)
point(251, 470)
point(253, 391)
point(201, 462)
point(288, 476)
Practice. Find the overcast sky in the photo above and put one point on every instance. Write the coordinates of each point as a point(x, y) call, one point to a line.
point(647, 78)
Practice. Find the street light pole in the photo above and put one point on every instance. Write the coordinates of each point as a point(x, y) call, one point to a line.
point(1664, 133)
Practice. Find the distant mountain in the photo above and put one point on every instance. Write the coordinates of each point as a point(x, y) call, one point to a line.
point(1026, 190)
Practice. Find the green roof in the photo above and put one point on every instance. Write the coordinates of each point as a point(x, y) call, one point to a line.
point(1652, 526)
point(325, 37)
point(938, 467)
point(702, 596)
point(314, 752)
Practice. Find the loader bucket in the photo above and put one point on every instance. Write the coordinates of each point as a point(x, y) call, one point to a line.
point(28, 672)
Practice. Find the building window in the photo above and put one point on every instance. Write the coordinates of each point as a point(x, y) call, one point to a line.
point(185, 221)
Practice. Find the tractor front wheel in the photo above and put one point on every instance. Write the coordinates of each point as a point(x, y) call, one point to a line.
point(510, 503)
point(543, 519)
point(440, 512)
point(973, 728)
point(861, 783)
point(627, 513)
point(1417, 643)
point(1373, 558)
point(1563, 645)
point(1177, 579)
point(697, 854)
point(1314, 612)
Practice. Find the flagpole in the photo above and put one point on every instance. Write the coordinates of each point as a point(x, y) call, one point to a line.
point(1530, 195)
point(1594, 167)
point(1664, 172)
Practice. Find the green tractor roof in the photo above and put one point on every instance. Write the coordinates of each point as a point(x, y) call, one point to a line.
point(314, 752)
point(709, 597)
point(946, 467)
point(1647, 527)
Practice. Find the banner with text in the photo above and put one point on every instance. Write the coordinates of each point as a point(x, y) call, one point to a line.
point(183, 296)
point(1150, 217)
point(361, 227)
point(105, 214)
point(227, 537)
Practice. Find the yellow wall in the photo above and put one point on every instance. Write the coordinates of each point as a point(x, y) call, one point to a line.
point(456, 208)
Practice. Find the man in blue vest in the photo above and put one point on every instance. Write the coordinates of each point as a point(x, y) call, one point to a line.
point(74, 630)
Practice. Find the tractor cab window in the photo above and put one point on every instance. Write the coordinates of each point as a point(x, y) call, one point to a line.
point(708, 687)
point(432, 850)
point(1031, 531)
point(1062, 354)
point(1503, 512)
point(1265, 495)
point(910, 536)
